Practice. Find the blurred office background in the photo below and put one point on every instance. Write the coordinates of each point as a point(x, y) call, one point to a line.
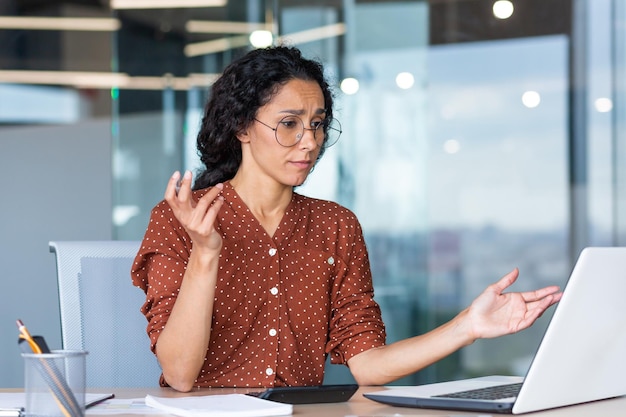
point(478, 136)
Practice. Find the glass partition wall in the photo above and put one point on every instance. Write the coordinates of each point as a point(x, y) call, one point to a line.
point(478, 136)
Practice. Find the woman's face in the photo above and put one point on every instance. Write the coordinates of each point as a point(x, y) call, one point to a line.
point(262, 154)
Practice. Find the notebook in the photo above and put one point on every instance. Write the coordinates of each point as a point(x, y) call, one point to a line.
point(226, 405)
point(581, 357)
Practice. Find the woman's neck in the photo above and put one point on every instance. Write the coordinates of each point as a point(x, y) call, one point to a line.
point(267, 201)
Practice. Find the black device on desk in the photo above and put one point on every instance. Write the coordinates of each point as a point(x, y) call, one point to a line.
point(308, 395)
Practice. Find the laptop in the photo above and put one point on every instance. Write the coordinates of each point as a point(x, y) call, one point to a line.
point(581, 357)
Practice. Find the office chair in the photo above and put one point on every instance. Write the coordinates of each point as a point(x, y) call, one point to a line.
point(100, 312)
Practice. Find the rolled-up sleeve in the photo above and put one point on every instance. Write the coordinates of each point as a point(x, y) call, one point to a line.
point(355, 324)
point(159, 267)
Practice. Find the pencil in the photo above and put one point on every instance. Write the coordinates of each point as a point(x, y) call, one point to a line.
point(51, 374)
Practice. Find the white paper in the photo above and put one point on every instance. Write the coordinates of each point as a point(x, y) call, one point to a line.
point(123, 406)
point(229, 405)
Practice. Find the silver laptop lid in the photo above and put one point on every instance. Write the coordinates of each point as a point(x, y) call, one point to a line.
point(582, 356)
point(580, 359)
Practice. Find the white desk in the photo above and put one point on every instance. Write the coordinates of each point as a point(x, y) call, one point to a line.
point(361, 406)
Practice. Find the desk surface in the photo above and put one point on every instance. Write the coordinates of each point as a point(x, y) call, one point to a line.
point(362, 407)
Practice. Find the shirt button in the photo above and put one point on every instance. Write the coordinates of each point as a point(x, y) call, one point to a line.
point(274, 291)
point(269, 371)
point(272, 251)
point(273, 332)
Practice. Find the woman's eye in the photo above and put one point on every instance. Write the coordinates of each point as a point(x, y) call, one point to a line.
point(316, 124)
point(289, 124)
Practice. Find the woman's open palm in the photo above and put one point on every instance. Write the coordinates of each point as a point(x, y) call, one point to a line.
point(495, 313)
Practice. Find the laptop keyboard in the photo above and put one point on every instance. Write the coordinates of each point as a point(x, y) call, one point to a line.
point(490, 393)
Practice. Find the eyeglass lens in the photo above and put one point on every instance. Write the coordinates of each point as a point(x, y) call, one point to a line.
point(290, 131)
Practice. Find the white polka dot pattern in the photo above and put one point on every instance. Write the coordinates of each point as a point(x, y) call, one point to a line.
point(281, 303)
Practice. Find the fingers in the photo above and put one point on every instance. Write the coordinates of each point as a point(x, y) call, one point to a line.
point(511, 311)
point(557, 297)
point(528, 296)
point(535, 295)
point(208, 207)
point(195, 216)
point(183, 189)
point(505, 282)
point(211, 213)
point(211, 194)
point(537, 309)
point(171, 190)
point(178, 186)
point(544, 302)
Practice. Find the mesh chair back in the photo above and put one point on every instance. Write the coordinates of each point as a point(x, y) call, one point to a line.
point(100, 312)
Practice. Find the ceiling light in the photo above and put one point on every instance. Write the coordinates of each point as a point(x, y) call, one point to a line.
point(261, 38)
point(316, 34)
point(503, 9)
point(73, 78)
point(405, 80)
point(164, 4)
point(224, 44)
point(207, 26)
point(349, 86)
point(531, 99)
point(95, 24)
point(218, 45)
point(105, 80)
point(603, 105)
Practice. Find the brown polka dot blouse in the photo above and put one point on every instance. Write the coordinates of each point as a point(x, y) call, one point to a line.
point(282, 303)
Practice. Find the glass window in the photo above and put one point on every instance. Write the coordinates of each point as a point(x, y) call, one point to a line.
point(472, 143)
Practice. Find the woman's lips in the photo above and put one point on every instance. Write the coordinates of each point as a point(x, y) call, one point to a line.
point(304, 164)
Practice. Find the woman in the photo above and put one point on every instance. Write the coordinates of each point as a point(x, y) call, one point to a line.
point(251, 284)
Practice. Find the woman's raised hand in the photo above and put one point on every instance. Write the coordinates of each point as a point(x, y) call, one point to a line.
point(197, 217)
point(495, 313)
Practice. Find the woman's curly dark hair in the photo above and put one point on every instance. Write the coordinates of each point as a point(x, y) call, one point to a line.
point(247, 84)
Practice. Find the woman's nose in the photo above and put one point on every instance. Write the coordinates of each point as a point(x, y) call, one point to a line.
point(308, 139)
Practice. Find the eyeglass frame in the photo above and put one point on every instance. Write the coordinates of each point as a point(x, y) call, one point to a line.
point(326, 121)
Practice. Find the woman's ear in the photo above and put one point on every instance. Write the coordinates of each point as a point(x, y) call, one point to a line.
point(243, 135)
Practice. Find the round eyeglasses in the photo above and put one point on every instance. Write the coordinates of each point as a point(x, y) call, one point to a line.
point(290, 130)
